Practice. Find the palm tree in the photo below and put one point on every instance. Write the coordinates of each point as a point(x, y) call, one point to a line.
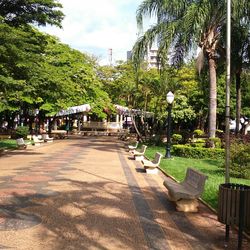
point(240, 53)
point(182, 27)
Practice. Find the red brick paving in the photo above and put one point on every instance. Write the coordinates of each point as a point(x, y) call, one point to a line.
point(102, 202)
point(32, 178)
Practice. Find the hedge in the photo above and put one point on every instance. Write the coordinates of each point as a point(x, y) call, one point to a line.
point(198, 153)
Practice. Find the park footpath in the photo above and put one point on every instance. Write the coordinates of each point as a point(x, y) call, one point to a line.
point(88, 193)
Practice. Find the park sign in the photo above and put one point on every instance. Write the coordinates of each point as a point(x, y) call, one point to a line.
point(74, 110)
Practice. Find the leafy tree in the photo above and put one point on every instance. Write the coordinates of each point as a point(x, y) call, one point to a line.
point(120, 83)
point(180, 28)
point(20, 52)
point(37, 71)
point(241, 57)
point(40, 12)
point(68, 78)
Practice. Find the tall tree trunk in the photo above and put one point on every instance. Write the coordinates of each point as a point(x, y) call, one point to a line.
point(238, 102)
point(212, 98)
point(139, 136)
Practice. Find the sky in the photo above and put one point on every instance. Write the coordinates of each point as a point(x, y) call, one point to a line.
point(97, 26)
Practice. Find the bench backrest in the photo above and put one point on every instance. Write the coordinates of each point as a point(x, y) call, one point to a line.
point(35, 138)
point(157, 158)
point(143, 149)
point(195, 179)
point(20, 141)
point(45, 136)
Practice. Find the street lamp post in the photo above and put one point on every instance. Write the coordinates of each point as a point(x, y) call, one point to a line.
point(36, 121)
point(170, 99)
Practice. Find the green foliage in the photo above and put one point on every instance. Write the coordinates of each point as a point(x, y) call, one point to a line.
point(8, 144)
point(155, 140)
point(37, 71)
point(240, 159)
point(198, 143)
point(215, 142)
point(182, 110)
point(198, 152)
point(198, 133)
point(176, 138)
point(22, 132)
point(20, 57)
point(179, 30)
point(40, 12)
point(177, 166)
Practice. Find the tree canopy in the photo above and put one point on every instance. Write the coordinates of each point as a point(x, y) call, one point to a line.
point(40, 12)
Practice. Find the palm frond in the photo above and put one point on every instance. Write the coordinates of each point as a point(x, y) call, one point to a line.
point(200, 61)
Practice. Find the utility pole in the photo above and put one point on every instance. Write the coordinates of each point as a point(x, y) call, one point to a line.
point(228, 81)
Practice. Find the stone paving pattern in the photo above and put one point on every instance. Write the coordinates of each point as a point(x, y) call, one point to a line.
point(87, 193)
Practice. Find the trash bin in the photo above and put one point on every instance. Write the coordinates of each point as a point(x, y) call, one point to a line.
point(234, 208)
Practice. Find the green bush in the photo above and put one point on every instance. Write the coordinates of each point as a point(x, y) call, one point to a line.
point(176, 138)
point(198, 132)
point(198, 152)
point(199, 143)
point(219, 132)
point(214, 142)
point(240, 159)
point(22, 132)
point(155, 140)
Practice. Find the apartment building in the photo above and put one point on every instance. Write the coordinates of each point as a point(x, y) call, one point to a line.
point(151, 58)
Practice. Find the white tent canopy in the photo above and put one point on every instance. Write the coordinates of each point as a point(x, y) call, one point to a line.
point(74, 110)
point(126, 111)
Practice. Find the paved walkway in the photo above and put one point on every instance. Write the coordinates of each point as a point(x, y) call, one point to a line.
point(87, 193)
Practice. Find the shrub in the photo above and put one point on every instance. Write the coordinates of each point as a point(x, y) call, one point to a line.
point(155, 140)
point(176, 138)
point(198, 152)
point(219, 133)
point(186, 134)
point(198, 132)
point(22, 132)
point(199, 143)
point(214, 142)
point(240, 159)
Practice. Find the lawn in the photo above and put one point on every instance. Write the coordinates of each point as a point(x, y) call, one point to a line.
point(8, 144)
point(176, 167)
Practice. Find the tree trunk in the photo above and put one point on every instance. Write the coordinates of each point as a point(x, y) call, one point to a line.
point(238, 103)
point(212, 98)
point(136, 129)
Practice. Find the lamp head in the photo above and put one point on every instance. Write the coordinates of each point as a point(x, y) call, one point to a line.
point(170, 97)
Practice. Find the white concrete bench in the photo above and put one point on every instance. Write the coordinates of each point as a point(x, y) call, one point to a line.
point(21, 144)
point(139, 154)
point(186, 193)
point(151, 167)
point(133, 147)
point(36, 140)
point(46, 138)
point(60, 134)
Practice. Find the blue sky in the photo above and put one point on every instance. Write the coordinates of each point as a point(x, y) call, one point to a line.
point(96, 26)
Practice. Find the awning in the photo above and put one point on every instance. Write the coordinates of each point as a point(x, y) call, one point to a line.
point(126, 111)
point(74, 110)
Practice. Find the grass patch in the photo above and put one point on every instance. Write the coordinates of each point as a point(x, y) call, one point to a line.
point(177, 166)
point(8, 144)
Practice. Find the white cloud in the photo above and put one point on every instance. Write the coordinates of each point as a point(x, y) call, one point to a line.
point(96, 26)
